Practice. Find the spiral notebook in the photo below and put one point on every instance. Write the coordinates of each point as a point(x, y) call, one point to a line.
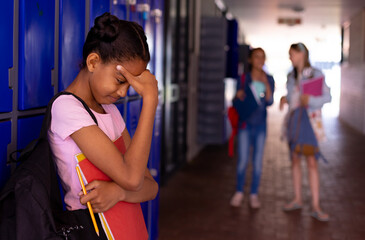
point(125, 220)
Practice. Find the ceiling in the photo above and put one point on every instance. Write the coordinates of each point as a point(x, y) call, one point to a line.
point(320, 27)
point(260, 16)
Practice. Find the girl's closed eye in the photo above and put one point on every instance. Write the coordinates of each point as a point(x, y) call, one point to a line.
point(120, 81)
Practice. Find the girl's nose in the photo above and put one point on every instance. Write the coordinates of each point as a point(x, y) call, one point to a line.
point(122, 90)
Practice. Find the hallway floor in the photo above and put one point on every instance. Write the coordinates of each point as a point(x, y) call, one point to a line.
point(194, 204)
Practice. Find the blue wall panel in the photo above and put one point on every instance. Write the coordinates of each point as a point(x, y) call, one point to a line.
point(72, 37)
point(36, 52)
point(28, 130)
point(132, 115)
point(97, 8)
point(120, 107)
point(6, 48)
point(119, 9)
point(134, 16)
point(5, 130)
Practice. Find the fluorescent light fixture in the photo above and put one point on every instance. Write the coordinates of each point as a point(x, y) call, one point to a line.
point(221, 5)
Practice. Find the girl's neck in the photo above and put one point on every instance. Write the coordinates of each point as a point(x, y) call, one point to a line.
point(81, 88)
point(256, 73)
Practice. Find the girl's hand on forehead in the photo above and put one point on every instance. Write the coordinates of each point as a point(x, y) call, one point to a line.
point(144, 84)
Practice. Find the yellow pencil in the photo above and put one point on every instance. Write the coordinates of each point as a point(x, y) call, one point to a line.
point(88, 203)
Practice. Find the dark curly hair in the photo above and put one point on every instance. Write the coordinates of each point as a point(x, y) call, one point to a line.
point(115, 40)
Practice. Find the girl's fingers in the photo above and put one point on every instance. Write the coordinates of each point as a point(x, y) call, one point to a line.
point(127, 75)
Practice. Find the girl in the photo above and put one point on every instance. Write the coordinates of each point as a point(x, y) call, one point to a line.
point(302, 70)
point(253, 134)
point(115, 56)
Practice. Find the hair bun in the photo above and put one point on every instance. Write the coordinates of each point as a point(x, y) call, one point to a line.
point(106, 27)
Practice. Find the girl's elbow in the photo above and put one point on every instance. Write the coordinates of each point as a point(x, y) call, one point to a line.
point(134, 184)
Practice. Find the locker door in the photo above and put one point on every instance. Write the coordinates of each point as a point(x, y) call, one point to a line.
point(135, 16)
point(154, 167)
point(97, 8)
point(72, 37)
point(6, 61)
point(212, 71)
point(28, 130)
point(119, 9)
point(175, 105)
point(5, 129)
point(132, 115)
point(36, 52)
point(120, 107)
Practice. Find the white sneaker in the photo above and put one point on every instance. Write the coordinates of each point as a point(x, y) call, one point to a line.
point(254, 201)
point(237, 199)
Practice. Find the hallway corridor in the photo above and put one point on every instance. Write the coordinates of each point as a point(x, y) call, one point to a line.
point(194, 204)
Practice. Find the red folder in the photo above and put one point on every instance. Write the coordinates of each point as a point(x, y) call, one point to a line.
point(312, 86)
point(124, 220)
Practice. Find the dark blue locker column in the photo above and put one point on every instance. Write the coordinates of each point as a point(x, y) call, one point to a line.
point(138, 12)
point(154, 167)
point(120, 107)
point(132, 115)
point(36, 52)
point(6, 61)
point(28, 130)
point(72, 37)
point(119, 9)
point(5, 129)
point(97, 8)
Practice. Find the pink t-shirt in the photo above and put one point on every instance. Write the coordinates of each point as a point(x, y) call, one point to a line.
point(68, 116)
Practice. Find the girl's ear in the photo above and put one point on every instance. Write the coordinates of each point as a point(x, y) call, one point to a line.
point(92, 61)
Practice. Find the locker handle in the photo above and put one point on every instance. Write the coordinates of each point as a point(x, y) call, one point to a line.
point(174, 92)
point(153, 172)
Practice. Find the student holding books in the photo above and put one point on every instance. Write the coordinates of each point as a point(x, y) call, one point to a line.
point(307, 92)
point(115, 56)
point(255, 93)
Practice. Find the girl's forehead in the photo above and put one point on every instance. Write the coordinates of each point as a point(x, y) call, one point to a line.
point(136, 66)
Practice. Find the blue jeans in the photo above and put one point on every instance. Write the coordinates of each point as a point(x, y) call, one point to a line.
point(250, 136)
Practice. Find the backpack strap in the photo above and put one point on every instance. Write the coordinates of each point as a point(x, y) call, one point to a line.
point(48, 116)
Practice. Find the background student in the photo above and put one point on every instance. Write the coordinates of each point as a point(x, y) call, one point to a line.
point(252, 133)
point(302, 70)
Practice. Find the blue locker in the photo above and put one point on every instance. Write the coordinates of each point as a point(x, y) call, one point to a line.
point(36, 52)
point(154, 166)
point(119, 9)
point(158, 45)
point(154, 31)
point(5, 129)
point(135, 16)
point(150, 209)
point(132, 115)
point(97, 8)
point(6, 61)
point(72, 37)
point(28, 130)
point(120, 107)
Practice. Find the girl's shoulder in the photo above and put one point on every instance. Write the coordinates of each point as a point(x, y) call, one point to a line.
point(66, 103)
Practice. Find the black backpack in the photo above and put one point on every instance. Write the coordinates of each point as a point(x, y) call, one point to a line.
point(31, 205)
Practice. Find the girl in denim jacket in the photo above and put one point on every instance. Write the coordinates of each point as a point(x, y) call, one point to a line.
point(302, 71)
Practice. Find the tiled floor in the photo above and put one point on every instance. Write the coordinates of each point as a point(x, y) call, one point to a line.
point(194, 204)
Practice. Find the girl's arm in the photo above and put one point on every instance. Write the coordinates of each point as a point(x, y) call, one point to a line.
point(104, 195)
point(127, 171)
point(269, 85)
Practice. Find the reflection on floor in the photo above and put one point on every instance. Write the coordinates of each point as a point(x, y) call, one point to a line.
point(194, 204)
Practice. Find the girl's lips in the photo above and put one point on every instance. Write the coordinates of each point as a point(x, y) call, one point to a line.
point(114, 98)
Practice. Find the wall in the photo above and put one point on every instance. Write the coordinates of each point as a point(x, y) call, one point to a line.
point(352, 99)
